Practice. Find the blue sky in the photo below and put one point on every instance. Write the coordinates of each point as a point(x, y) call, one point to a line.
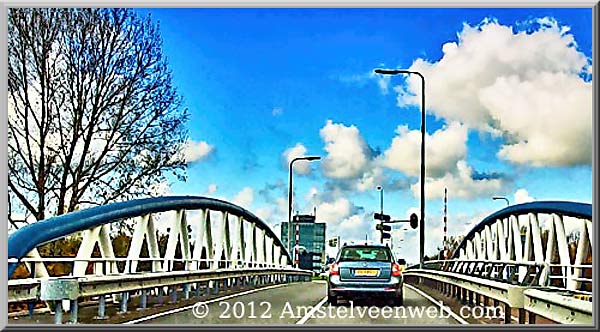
point(507, 111)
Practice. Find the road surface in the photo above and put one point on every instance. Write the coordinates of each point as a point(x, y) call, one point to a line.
point(303, 303)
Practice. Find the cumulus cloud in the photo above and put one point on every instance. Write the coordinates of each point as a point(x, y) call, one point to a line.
point(197, 151)
point(244, 198)
point(460, 183)
point(522, 196)
point(347, 152)
point(301, 167)
point(335, 211)
point(520, 83)
point(444, 148)
point(548, 117)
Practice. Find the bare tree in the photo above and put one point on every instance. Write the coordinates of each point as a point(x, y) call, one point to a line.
point(93, 116)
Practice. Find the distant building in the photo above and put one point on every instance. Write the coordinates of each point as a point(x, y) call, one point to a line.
point(311, 242)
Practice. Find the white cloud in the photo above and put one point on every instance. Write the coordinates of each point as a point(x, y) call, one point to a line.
point(371, 178)
point(522, 196)
point(549, 117)
point(265, 213)
point(347, 151)
point(460, 184)
point(335, 211)
point(212, 188)
point(301, 167)
point(444, 148)
point(524, 86)
point(277, 111)
point(311, 196)
point(383, 82)
point(196, 151)
point(244, 198)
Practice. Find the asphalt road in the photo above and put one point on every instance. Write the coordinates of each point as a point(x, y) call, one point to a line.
point(303, 303)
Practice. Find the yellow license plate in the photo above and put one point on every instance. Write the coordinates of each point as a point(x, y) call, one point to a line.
point(365, 273)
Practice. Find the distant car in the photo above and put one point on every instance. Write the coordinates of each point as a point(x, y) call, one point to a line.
point(365, 271)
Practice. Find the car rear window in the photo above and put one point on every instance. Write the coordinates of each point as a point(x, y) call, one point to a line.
point(371, 254)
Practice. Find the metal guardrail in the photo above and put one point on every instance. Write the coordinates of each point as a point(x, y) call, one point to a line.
point(550, 303)
point(558, 306)
point(58, 289)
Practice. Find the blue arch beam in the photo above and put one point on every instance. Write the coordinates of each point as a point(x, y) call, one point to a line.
point(31, 236)
point(571, 209)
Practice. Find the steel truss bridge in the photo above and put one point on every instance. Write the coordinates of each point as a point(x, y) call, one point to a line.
point(520, 257)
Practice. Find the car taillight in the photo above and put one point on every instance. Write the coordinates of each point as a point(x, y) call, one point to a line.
point(335, 270)
point(396, 271)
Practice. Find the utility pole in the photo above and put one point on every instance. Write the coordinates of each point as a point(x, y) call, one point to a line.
point(445, 222)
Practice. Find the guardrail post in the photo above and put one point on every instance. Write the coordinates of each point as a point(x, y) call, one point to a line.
point(101, 308)
point(216, 287)
point(143, 300)
point(173, 294)
point(507, 313)
point(186, 291)
point(30, 308)
point(124, 298)
point(159, 296)
point(74, 306)
point(58, 312)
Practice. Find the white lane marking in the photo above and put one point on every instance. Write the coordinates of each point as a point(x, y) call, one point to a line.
point(445, 308)
point(174, 311)
point(311, 312)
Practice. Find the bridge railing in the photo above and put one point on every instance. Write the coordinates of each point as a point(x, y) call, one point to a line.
point(207, 240)
point(524, 257)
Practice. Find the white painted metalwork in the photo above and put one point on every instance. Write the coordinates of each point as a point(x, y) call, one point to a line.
point(535, 238)
point(241, 245)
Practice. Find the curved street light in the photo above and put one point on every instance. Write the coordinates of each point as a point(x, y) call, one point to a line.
point(422, 222)
point(309, 158)
point(502, 197)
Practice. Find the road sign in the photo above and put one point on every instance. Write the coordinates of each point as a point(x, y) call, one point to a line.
point(382, 217)
point(382, 227)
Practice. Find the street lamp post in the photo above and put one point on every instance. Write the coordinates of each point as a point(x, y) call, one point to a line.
point(422, 222)
point(289, 229)
point(502, 197)
point(380, 189)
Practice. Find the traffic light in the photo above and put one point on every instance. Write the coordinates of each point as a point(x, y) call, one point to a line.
point(333, 242)
point(382, 217)
point(382, 227)
point(414, 221)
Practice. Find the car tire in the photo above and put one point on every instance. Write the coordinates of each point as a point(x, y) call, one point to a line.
point(399, 300)
point(332, 299)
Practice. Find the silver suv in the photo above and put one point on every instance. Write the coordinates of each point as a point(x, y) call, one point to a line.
point(365, 271)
